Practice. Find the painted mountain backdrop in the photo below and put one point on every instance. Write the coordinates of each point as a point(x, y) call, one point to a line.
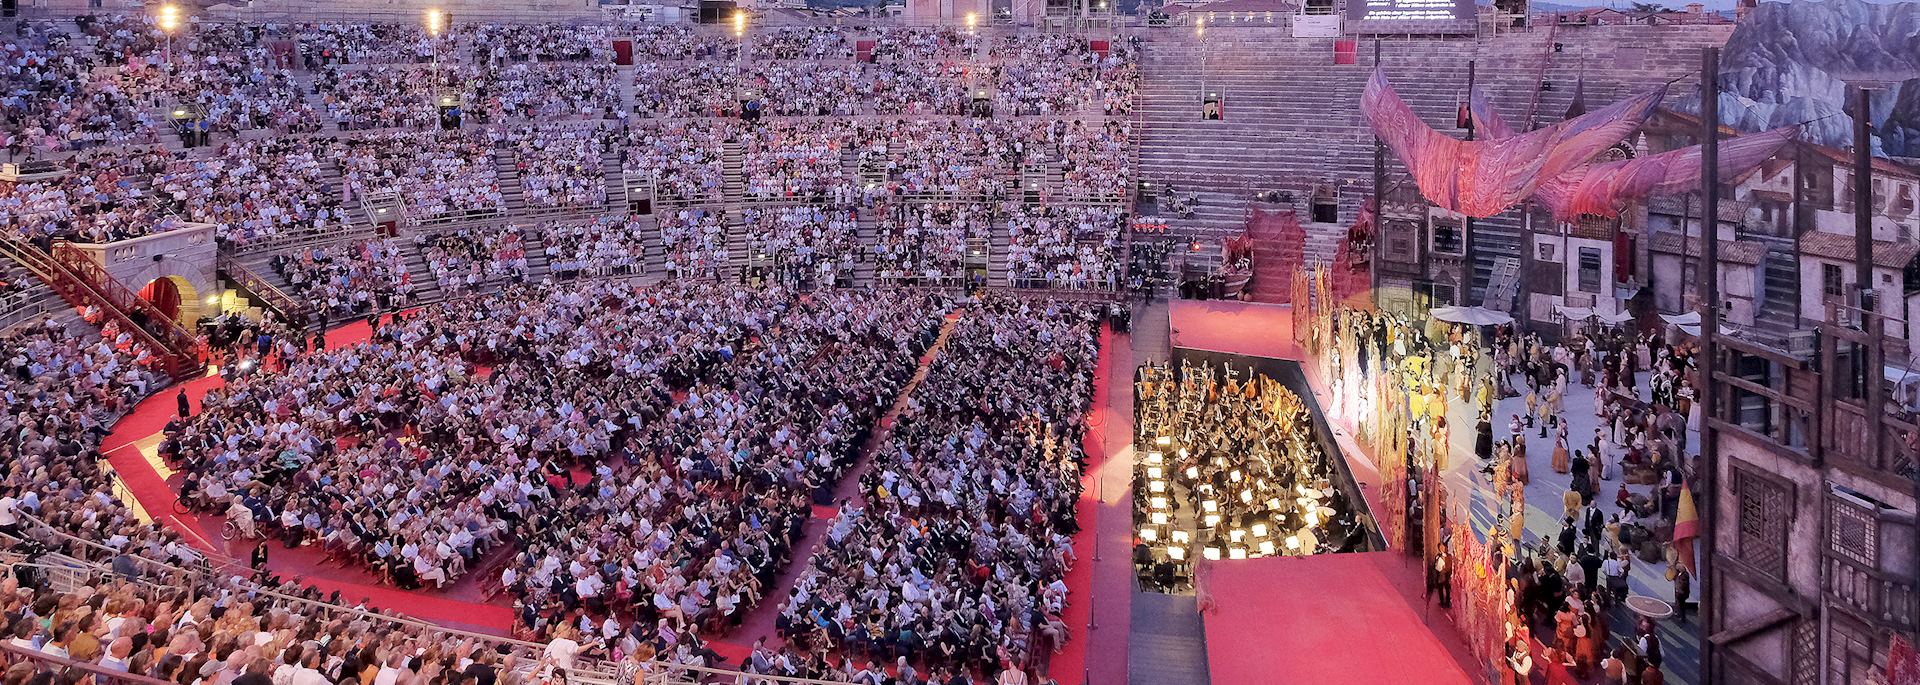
point(1789, 63)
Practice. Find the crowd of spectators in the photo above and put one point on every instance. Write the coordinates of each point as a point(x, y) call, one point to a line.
point(603, 246)
point(438, 174)
point(466, 259)
point(926, 243)
point(682, 158)
point(104, 197)
point(957, 555)
point(348, 278)
point(807, 244)
point(1064, 246)
point(695, 240)
point(260, 188)
point(559, 167)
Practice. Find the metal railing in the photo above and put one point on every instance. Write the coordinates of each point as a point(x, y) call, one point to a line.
point(13, 656)
point(98, 559)
point(295, 311)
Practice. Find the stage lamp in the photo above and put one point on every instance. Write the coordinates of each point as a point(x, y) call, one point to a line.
point(1236, 552)
point(1155, 472)
point(972, 19)
point(1177, 553)
point(1266, 548)
point(739, 23)
point(1181, 537)
point(1209, 506)
point(1150, 534)
point(1259, 530)
point(1211, 552)
point(1293, 542)
point(1212, 520)
point(1158, 518)
point(1157, 486)
point(436, 22)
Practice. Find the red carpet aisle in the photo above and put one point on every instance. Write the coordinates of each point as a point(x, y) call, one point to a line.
point(1334, 619)
point(1099, 592)
point(133, 438)
point(759, 622)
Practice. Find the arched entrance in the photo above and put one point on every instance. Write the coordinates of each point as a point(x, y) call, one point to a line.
point(174, 297)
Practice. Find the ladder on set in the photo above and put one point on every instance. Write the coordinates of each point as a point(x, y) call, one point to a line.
point(1503, 285)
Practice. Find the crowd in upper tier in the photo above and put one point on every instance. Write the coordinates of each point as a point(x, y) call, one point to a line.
point(308, 129)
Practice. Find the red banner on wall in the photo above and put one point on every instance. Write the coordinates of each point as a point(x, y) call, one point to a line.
point(1100, 46)
point(1345, 51)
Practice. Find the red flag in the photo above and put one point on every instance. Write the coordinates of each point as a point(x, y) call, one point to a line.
point(1686, 527)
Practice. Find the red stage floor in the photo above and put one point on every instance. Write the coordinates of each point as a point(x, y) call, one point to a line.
point(1328, 620)
point(1255, 330)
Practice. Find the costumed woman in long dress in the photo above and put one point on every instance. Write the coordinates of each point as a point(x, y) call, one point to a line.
point(1560, 460)
point(1519, 461)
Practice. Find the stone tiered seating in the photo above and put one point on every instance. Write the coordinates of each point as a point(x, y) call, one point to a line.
point(1292, 120)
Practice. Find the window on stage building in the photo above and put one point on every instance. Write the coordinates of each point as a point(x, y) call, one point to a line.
point(1401, 246)
point(1831, 282)
point(1764, 506)
point(1590, 269)
point(1854, 531)
point(1447, 237)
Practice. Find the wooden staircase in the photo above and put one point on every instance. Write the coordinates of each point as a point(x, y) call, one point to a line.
point(83, 283)
point(257, 289)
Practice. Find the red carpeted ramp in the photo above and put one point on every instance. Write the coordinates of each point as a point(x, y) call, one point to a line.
point(1337, 619)
point(1279, 249)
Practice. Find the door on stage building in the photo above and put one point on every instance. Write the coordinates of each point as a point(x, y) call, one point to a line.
point(164, 295)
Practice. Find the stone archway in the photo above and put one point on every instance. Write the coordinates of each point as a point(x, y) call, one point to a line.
point(175, 297)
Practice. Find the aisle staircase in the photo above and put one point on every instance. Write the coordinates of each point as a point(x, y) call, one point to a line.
point(998, 245)
point(616, 179)
point(507, 169)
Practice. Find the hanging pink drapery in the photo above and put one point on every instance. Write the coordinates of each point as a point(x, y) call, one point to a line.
point(1606, 188)
point(1482, 178)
